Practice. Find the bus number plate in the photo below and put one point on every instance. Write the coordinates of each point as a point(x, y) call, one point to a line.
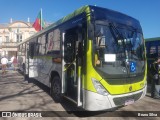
point(128, 102)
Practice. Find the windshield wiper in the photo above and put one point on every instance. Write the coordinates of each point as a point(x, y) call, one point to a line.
point(120, 36)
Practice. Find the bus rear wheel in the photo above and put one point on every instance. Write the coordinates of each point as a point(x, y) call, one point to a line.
point(56, 89)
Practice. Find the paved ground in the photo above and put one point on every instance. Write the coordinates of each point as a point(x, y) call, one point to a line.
point(16, 94)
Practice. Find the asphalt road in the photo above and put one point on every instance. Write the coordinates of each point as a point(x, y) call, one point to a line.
point(16, 94)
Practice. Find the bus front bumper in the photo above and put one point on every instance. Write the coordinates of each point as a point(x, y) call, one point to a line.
point(94, 102)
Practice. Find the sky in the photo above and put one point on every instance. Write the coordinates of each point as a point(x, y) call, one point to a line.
point(146, 11)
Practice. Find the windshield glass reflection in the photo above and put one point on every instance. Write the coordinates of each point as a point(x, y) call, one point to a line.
point(115, 48)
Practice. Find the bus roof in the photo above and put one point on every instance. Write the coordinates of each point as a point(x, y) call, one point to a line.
point(152, 39)
point(99, 13)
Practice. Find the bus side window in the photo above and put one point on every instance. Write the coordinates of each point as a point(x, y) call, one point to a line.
point(37, 48)
point(153, 53)
point(31, 50)
point(69, 44)
point(46, 43)
point(43, 44)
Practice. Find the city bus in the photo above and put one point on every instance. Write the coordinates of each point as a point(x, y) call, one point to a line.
point(94, 57)
point(153, 54)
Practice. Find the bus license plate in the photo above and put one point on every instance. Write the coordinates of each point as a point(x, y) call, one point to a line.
point(128, 102)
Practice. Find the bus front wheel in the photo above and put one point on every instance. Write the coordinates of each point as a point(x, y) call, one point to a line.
point(56, 89)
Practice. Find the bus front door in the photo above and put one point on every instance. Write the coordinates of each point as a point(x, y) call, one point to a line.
point(71, 70)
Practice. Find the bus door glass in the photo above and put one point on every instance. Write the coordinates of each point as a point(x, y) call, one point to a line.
point(71, 45)
point(70, 63)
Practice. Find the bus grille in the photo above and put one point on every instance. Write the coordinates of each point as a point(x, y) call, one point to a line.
point(121, 100)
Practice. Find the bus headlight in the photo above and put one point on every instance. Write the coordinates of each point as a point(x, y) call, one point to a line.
point(99, 88)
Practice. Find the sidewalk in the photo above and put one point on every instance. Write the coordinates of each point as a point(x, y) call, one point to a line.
point(19, 95)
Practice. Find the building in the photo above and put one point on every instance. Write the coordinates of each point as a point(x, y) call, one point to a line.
point(13, 33)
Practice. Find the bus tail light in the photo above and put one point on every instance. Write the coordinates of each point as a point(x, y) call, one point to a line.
point(99, 88)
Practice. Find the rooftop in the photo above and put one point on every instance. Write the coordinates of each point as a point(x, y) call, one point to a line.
point(152, 39)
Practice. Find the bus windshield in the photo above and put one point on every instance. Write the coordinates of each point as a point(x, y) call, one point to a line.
point(118, 51)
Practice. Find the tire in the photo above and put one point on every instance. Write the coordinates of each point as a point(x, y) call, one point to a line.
point(56, 89)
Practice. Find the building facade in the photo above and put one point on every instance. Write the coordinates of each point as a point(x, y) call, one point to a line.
point(13, 33)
